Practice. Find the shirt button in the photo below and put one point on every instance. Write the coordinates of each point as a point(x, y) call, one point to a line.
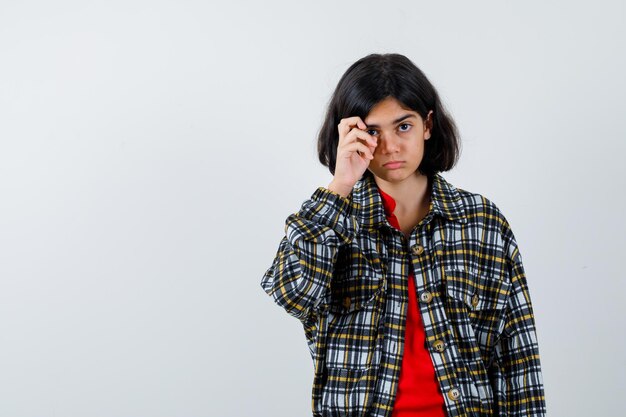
point(475, 300)
point(417, 249)
point(346, 302)
point(439, 345)
point(454, 394)
point(426, 297)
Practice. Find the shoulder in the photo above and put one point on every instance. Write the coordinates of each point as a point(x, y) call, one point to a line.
point(483, 212)
point(478, 206)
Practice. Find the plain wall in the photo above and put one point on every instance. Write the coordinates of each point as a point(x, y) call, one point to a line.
point(150, 152)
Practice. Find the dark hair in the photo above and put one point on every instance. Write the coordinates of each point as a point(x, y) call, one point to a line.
point(370, 80)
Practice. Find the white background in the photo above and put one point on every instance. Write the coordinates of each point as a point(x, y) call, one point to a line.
point(150, 152)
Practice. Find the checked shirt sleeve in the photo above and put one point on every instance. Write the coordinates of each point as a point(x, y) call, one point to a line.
point(299, 277)
point(518, 387)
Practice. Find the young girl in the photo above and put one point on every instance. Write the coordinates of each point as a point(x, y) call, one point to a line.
point(411, 291)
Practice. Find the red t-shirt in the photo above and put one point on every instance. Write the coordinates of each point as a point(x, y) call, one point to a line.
point(418, 393)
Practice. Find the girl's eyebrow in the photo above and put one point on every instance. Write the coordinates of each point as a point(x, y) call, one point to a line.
point(406, 116)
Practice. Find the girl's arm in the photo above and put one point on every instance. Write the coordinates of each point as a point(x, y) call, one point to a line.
point(299, 278)
point(518, 388)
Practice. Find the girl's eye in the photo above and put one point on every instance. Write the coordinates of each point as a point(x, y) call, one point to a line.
point(374, 132)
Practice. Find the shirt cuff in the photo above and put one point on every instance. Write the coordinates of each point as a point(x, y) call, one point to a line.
point(331, 209)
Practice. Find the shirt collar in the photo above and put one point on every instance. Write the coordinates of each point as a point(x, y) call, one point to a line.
point(371, 204)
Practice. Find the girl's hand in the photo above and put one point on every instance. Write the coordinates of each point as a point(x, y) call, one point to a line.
point(354, 153)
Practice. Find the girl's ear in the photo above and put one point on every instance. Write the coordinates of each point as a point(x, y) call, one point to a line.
point(428, 125)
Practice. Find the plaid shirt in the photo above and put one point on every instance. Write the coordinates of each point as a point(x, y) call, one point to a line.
point(342, 270)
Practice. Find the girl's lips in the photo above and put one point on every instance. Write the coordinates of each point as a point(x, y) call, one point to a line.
point(392, 165)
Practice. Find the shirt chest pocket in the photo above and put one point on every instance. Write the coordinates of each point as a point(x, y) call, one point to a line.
point(356, 290)
point(475, 291)
point(476, 306)
point(353, 339)
point(359, 278)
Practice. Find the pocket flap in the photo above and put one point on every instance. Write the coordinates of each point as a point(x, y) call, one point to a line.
point(478, 291)
point(355, 290)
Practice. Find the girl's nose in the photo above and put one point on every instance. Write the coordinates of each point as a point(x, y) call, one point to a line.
point(388, 144)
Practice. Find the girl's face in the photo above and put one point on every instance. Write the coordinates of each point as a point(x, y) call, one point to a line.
point(401, 134)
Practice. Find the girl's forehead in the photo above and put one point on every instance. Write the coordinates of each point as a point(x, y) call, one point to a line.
point(389, 108)
point(390, 117)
